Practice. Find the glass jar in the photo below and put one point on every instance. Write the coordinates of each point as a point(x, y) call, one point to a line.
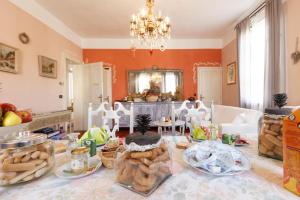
point(79, 160)
point(270, 137)
point(24, 157)
point(143, 171)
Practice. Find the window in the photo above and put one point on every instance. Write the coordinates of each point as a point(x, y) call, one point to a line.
point(252, 42)
point(159, 81)
point(257, 58)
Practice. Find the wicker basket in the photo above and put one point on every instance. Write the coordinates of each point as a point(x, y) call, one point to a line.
point(109, 158)
point(108, 162)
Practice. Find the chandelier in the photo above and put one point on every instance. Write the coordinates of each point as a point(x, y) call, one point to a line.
point(152, 31)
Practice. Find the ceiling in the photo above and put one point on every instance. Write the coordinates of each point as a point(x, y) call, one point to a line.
point(110, 18)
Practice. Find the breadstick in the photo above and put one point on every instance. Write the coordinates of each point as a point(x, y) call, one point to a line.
point(146, 161)
point(163, 157)
point(17, 159)
point(8, 161)
point(146, 154)
point(24, 152)
point(40, 172)
point(36, 162)
point(144, 180)
point(8, 175)
point(147, 170)
point(19, 167)
point(270, 132)
point(46, 147)
point(164, 146)
point(28, 178)
point(27, 173)
point(3, 156)
point(35, 154)
point(134, 162)
point(141, 188)
point(25, 158)
point(43, 156)
point(274, 140)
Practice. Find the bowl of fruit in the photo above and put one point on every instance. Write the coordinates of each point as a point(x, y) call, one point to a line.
point(200, 133)
point(13, 120)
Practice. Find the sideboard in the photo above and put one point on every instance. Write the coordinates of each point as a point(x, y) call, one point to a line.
point(156, 110)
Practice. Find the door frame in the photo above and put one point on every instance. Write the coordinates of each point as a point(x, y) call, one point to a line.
point(64, 79)
point(110, 66)
point(219, 68)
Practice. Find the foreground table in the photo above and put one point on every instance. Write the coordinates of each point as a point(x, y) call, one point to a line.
point(263, 182)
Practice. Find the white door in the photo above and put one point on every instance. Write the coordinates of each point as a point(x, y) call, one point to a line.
point(87, 88)
point(210, 84)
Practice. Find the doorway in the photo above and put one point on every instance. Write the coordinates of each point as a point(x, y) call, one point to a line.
point(209, 84)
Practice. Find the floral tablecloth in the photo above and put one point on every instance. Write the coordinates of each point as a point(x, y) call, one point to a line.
point(263, 182)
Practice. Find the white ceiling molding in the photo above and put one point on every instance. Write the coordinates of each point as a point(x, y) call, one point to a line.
point(43, 15)
point(40, 13)
point(109, 43)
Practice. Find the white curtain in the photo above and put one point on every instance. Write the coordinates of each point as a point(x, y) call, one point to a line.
point(275, 52)
point(142, 82)
point(171, 82)
point(250, 35)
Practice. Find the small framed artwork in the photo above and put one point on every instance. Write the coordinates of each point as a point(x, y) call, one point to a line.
point(8, 59)
point(47, 67)
point(231, 73)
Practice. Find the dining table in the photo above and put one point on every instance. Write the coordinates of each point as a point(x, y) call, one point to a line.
point(262, 182)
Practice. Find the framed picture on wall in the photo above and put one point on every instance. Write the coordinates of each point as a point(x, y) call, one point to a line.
point(231, 73)
point(47, 67)
point(8, 59)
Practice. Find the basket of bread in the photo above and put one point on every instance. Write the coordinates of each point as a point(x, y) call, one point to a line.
point(24, 157)
point(110, 151)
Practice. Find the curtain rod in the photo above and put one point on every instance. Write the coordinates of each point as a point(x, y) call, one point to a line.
point(261, 6)
point(254, 12)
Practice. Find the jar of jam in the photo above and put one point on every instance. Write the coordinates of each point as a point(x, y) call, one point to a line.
point(79, 160)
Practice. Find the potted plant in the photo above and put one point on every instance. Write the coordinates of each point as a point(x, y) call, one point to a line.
point(143, 136)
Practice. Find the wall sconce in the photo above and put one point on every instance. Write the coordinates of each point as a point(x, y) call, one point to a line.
point(296, 54)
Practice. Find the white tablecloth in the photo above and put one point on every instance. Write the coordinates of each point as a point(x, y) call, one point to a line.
point(263, 182)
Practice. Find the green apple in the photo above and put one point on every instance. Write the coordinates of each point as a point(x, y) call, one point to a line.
point(11, 119)
point(199, 134)
point(99, 134)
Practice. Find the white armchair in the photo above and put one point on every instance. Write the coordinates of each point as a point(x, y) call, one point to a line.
point(236, 120)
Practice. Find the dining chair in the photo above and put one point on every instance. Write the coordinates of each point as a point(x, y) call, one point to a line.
point(176, 113)
point(199, 115)
point(108, 115)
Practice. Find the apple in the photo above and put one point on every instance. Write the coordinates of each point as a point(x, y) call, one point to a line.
point(25, 116)
point(0, 116)
point(6, 107)
point(11, 119)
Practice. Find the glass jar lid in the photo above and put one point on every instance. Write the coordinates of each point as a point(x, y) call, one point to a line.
point(22, 139)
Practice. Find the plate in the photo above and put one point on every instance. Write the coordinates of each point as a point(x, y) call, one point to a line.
point(196, 140)
point(242, 161)
point(64, 171)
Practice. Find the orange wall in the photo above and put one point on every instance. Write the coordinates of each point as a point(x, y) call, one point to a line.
point(230, 92)
point(125, 59)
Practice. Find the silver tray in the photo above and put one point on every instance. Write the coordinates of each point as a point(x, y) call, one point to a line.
point(245, 162)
